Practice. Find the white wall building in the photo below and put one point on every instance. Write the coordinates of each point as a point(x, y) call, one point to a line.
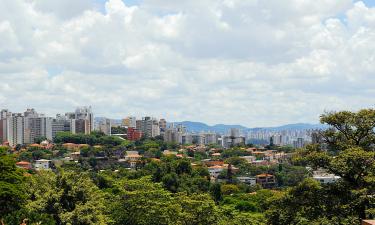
point(248, 180)
point(42, 164)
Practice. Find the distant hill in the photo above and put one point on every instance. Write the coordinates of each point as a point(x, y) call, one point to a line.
point(223, 128)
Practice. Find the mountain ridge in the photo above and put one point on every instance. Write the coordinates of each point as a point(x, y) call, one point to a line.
point(192, 126)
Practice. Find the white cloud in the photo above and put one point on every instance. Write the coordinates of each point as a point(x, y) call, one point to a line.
point(232, 61)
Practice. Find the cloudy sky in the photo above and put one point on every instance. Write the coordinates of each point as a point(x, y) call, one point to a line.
point(249, 62)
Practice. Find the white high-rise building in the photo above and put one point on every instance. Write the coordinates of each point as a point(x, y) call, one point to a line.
point(15, 129)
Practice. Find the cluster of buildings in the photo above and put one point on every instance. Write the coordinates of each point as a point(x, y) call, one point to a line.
point(179, 134)
point(152, 127)
point(295, 138)
point(26, 127)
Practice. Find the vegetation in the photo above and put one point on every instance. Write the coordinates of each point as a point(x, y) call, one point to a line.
point(166, 189)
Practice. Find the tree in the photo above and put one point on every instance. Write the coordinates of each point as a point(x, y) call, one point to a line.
point(170, 182)
point(349, 129)
point(69, 197)
point(183, 166)
point(143, 202)
point(216, 193)
point(12, 190)
point(197, 209)
point(348, 150)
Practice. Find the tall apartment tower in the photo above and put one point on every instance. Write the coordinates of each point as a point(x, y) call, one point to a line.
point(105, 126)
point(82, 120)
point(129, 121)
point(60, 124)
point(15, 129)
point(149, 126)
point(35, 126)
point(4, 114)
point(162, 124)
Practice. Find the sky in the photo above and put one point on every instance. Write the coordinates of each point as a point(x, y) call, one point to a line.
point(248, 62)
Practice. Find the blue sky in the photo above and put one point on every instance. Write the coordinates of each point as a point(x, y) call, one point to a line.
point(369, 3)
point(255, 63)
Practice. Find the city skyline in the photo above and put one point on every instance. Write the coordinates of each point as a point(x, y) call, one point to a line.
point(254, 63)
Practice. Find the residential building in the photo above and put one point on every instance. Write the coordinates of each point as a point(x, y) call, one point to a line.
point(24, 165)
point(162, 125)
point(249, 158)
point(132, 157)
point(42, 164)
point(3, 131)
point(130, 121)
point(299, 143)
point(325, 178)
point(215, 171)
point(60, 124)
point(133, 134)
point(36, 126)
point(15, 129)
point(105, 126)
point(248, 180)
point(82, 120)
point(266, 180)
point(174, 134)
point(210, 138)
point(149, 126)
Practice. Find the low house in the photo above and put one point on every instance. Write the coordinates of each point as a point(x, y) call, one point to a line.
point(24, 165)
point(252, 181)
point(210, 163)
point(325, 178)
point(42, 164)
point(168, 152)
point(216, 155)
point(260, 163)
point(132, 157)
point(249, 158)
point(75, 155)
point(215, 171)
point(266, 180)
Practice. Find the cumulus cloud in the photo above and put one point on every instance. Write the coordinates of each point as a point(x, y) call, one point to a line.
point(250, 62)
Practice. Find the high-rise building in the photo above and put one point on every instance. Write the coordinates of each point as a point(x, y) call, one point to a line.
point(149, 126)
point(36, 126)
point(105, 126)
point(299, 143)
point(210, 138)
point(4, 114)
point(15, 129)
point(133, 134)
point(82, 120)
point(60, 124)
point(129, 121)
point(176, 134)
point(3, 130)
point(162, 125)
